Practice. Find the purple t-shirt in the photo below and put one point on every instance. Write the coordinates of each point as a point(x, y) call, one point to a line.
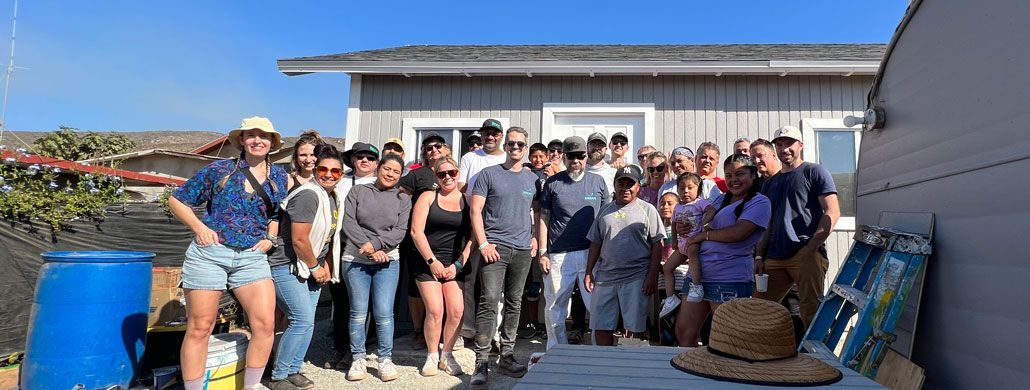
point(726, 262)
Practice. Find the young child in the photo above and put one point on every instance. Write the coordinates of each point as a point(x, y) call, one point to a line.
point(689, 217)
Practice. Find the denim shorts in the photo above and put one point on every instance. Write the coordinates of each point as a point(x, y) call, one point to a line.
point(725, 292)
point(216, 267)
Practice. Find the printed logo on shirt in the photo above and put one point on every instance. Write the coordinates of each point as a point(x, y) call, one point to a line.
point(527, 194)
point(590, 198)
point(620, 214)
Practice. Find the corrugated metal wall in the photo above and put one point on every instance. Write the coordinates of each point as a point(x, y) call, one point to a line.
point(688, 109)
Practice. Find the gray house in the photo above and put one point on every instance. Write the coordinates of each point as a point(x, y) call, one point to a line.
point(661, 95)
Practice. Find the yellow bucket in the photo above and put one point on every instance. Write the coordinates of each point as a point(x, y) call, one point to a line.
point(226, 361)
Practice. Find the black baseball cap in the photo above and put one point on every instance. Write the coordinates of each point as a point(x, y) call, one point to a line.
point(574, 144)
point(620, 135)
point(432, 136)
point(631, 171)
point(359, 147)
point(492, 125)
point(597, 137)
point(555, 142)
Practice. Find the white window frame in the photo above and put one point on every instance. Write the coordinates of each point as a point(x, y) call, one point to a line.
point(411, 127)
point(810, 152)
point(645, 109)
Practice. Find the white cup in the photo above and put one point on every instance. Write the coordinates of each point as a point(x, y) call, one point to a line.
point(762, 282)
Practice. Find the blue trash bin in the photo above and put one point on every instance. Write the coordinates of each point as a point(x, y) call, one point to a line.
point(89, 320)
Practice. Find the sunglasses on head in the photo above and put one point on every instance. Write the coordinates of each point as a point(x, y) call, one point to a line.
point(366, 157)
point(443, 174)
point(659, 169)
point(435, 145)
point(576, 156)
point(515, 144)
point(336, 172)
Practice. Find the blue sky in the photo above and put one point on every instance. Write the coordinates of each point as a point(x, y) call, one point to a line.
point(204, 65)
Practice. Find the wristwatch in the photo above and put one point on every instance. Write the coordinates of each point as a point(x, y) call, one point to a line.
point(274, 239)
point(430, 260)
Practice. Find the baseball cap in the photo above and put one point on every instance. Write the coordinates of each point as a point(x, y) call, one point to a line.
point(474, 136)
point(555, 142)
point(394, 140)
point(597, 137)
point(620, 135)
point(432, 136)
point(631, 171)
point(574, 144)
point(788, 132)
point(492, 125)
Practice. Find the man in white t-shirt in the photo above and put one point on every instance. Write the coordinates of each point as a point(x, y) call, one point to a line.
point(597, 146)
point(491, 154)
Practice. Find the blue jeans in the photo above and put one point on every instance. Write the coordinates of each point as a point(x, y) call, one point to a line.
point(297, 298)
point(380, 282)
point(725, 292)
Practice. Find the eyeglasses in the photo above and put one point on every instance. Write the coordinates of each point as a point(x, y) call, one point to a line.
point(515, 144)
point(659, 169)
point(555, 150)
point(443, 174)
point(365, 157)
point(576, 156)
point(336, 172)
point(428, 147)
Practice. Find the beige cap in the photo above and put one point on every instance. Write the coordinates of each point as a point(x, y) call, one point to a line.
point(255, 123)
point(395, 140)
point(788, 132)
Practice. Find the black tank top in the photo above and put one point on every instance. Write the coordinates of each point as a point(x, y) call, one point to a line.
point(447, 231)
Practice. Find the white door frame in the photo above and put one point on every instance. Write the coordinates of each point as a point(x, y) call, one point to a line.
point(645, 109)
point(808, 129)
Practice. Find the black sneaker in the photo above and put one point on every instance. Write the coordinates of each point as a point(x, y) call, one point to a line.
point(282, 384)
point(507, 365)
point(575, 336)
point(300, 381)
point(529, 331)
point(480, 377)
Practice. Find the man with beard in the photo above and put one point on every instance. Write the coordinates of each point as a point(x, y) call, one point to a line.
point(597, 146)
point(569, 201)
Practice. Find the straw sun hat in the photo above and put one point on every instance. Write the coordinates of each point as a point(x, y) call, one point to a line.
point(255, 123)
point(752, 342)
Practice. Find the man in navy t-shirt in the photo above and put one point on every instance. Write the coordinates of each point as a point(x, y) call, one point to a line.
point(804, 211)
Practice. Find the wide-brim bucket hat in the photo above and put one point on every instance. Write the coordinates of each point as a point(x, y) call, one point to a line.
point(752, 341)
point(255, 123)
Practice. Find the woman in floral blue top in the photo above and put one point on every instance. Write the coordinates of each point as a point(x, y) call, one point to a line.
point(230, 245)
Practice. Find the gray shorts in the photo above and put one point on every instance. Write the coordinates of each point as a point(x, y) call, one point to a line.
point(215, 267)
point(610, 299)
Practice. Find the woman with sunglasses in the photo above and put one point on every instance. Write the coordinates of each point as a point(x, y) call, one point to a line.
point(310, 229)
point(440, 227)
point(375, 219)
point(657, 174)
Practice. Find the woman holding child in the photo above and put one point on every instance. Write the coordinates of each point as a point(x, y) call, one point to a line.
point(726, 246)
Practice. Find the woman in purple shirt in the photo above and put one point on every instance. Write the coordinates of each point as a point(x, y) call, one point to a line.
point(727, 246)
point(239, 227)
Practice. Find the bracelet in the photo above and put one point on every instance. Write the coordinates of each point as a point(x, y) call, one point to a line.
point(317, 266)
point(706, 235)
point(483, 245)
point(457, 265)
point(759, 258)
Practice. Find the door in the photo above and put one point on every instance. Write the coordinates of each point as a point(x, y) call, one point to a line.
point(567, 125)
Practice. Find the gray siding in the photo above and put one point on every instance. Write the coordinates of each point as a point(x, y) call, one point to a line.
point(688, 109)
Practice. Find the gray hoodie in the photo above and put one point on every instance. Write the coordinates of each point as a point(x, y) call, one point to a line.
point(376, 216)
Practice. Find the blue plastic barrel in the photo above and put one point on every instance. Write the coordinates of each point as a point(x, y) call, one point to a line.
point(89, 320)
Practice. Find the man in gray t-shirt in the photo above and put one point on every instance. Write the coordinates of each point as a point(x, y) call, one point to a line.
point(569, 201)
point(500, 207)
point(625, 255)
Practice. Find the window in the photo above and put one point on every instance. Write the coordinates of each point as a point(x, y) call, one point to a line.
point(835, 147)
point(453, 130)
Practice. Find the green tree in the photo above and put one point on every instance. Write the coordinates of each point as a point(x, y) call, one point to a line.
point(67, 143)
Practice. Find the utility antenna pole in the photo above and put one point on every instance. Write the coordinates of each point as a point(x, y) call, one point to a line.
point(10, 70)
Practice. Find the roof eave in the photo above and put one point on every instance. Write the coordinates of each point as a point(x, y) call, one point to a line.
point(588, 68)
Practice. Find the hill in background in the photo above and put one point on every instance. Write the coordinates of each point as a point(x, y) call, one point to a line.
point(180, 141)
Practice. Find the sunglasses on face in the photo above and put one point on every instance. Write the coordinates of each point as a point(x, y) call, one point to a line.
point(476, 143)
point(365, 157)
point(576, 156)
point(336, 172)
point(641, 157)
point(619, 143)
point(515, 144)
point(559, 151)
point(659, 169)
point(428, 147)
point(443, 174)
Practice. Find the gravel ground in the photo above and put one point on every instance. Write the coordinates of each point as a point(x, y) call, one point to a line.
point(408, 363)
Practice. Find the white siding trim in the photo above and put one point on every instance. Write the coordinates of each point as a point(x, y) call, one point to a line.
point(645, 109)
point(410, 125)
point(808, 126)
point(353, 132)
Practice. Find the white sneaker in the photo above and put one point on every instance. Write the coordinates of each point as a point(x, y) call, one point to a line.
point(696, 293)
point(450, 366)
point(669, 305)
point(459, 344)
point(430, 366)
point(387, 370)
point(357, 370)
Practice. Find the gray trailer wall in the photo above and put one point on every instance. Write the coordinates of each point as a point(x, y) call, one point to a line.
point(957, 101)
